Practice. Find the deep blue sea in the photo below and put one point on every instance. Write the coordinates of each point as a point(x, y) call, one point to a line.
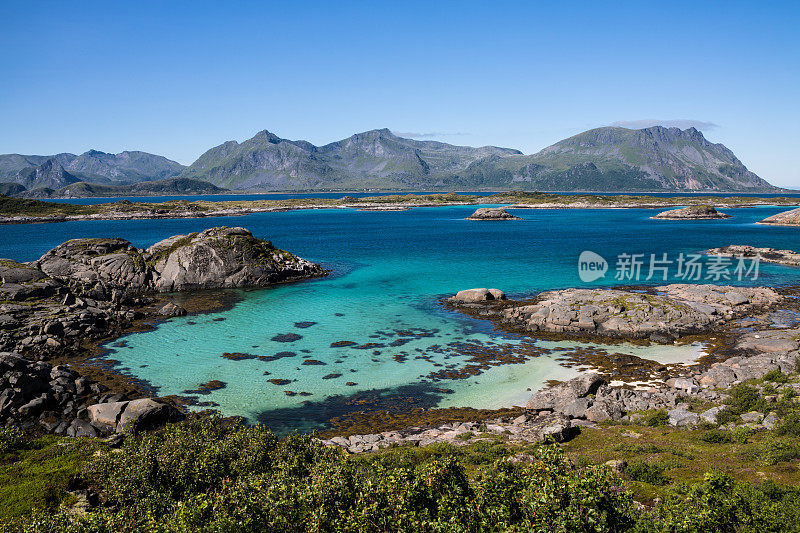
point(389, 271)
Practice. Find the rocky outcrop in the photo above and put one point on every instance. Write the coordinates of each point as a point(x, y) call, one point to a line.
point(215, 258)
point(54, 398)
point(527, 428)
point(693, 212)
point(492, 213)
point(771, 255)
point(663, 314)
point(223, 258)
point(787, 218)
point(90, 289)
point(478, 295)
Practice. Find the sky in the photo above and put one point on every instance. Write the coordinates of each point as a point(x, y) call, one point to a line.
point(176, 78)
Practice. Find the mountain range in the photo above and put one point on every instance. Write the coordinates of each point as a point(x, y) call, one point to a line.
point(56, 171)
point(601, 159)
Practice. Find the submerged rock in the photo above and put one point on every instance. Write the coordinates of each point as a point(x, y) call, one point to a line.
point(693, 212)
point(492, 213)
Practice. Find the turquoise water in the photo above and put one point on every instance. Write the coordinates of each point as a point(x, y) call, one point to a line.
point(390, 270)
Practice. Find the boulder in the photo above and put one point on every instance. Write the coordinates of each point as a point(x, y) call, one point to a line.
point(680, 417)
point(133, 415)
point(478, 295)
point(710, 415)
point(560, 396)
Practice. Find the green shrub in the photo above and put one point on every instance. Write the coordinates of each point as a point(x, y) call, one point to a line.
point(11, 438)
point(203, 475)
point(647, 473)
point(743, 398)
point(790, 425)
point(716, 437)
point(656, 418)
point(776, 376)
point(772, 451)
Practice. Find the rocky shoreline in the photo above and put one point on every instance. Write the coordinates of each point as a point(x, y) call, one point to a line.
point(89, 290)
point(770, 255)
point(758, 346)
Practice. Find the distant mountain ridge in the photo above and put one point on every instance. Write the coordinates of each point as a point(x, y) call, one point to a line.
point(608, 159)
point(59, 170)
point(373, 159)
point(602, 159)
point(169, 186)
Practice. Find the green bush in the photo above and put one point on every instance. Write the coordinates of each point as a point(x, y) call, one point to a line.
point(203, 475)
point(656, 418)
point(772, 451)
point(790, 425)
point(717, 437)
point(647, 473)
point(776, 376)
point(743, 398)
point(11, 438)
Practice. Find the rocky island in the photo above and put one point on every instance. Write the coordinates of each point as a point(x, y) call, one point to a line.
point(693, 212)
point(86, 290)
point(771, 255)
point(492, 213)
point(661, 314)
point(787, 218)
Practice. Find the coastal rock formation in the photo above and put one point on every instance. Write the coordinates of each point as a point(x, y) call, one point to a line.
point(665, 313)
point(90, 289)
point(787, 218)
point(478, 295)
point(214, 258)
point(771, 255)
point(693, 212)
point(492, 213)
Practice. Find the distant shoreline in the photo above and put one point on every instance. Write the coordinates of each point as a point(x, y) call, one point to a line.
point(19, 211)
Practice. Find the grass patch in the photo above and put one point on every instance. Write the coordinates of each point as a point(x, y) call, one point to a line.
point(36, 474)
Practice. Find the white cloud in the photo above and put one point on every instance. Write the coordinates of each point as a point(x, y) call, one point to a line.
point(682, 123)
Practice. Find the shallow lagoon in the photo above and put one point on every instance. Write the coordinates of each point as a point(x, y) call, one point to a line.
point(389, 271)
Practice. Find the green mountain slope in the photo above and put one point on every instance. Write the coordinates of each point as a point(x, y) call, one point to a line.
point(603, 159)
point(373, 159)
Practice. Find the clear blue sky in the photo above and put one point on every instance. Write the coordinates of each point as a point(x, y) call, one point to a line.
point(176, 78)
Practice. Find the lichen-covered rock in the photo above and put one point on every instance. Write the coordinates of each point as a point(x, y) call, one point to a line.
point(671, 311)
point(693, 212)
point(215, 258)
point(222, 258)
